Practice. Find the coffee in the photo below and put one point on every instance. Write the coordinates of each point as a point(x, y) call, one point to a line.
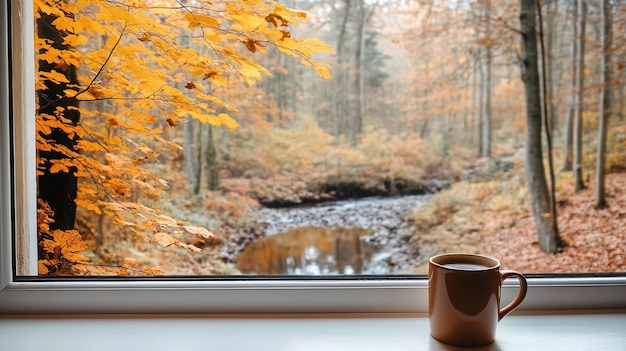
point(466, 266)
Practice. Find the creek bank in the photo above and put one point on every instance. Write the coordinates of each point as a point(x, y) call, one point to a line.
point(378, 207)
point(282, 192)
point(382, 219)
point(295, 201)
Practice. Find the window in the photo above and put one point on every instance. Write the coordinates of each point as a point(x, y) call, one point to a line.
point(195, 294)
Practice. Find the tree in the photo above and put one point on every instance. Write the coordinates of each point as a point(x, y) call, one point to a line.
point(580, 85)
point(486, 132)
point(547, 230)
point(605, 101)
point(99, 159)
point(58, 113)
point(569, 117)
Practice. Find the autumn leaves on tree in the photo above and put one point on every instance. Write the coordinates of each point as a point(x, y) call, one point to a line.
point(112, 76)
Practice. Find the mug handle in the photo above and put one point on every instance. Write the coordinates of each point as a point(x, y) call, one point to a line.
point(523, 287)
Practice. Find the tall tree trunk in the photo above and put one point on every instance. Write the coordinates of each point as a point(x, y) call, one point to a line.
point(360, 72)
point(547, 232)
point(486, 133)
point(480, 96)
point(605, 100)
point(578, 117)
point(569, 117)
point(190, 152)
point(199, 153)
point(57, 189)
point(548, 40)
point(620, 91)
point(342, 89)
point(475, 104)
point(481, 106)
point(211, 160)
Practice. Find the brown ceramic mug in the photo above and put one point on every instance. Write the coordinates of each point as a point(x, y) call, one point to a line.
point(464, 298)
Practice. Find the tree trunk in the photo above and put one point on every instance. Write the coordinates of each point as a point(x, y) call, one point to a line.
point(578, 117)
point(342, 89)
point(569, 117)
point(57, 189)
point(486, 133)
point(190, 151)
point(360, 72)
point(199, 153)
point(475, 97)
point(481, 99)
point(548, 40)
point(620, 91)
point(547, 231)
point(481, 106)
point(211, 161)
point(605, 101)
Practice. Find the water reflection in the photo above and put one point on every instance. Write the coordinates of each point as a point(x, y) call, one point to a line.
point(314, 251)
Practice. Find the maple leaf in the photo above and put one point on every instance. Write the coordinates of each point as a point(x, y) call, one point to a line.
point(66, 244)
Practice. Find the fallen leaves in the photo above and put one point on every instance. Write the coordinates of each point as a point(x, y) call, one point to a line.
point(594, 240)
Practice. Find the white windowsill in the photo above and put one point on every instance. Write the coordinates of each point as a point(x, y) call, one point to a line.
point(398, 332)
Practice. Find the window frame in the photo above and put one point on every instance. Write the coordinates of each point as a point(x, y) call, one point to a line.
point(35, 295)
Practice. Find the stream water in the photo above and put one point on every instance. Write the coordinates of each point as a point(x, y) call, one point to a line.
point(345, 237)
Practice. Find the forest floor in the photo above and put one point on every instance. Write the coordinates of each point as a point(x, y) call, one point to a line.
point(495, 219)
point(488, 213)
point(594, 239)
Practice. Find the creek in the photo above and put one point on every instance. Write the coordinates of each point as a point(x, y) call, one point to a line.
point(364, 236)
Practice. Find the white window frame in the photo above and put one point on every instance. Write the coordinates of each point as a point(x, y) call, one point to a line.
point(203, 294)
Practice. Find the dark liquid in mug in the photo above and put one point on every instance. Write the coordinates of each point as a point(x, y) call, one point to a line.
point(466, 266)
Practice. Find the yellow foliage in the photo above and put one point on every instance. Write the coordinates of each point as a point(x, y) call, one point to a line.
point(139, 64)
point(68, 242)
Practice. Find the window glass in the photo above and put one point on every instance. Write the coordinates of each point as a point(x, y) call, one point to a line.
point(316, 138)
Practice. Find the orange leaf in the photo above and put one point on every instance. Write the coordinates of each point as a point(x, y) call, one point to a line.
point(199, 231)
point(164, 239)
point(250, 45)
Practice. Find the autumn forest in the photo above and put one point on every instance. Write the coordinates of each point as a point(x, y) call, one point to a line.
point(175, 136)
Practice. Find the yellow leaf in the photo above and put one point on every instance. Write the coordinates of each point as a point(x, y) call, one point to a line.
point(88, 205)
point(247, 21)
point(198, 19)
point(66, 24)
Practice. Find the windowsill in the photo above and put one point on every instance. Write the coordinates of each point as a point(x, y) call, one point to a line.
point(573, 330)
